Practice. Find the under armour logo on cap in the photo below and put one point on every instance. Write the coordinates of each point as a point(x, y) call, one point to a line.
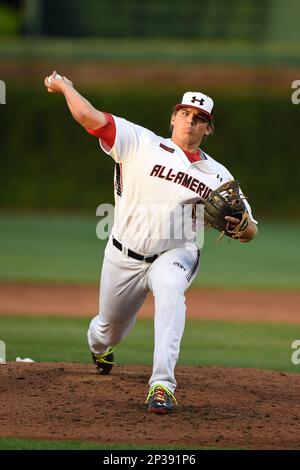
point(198, 100)
point(194, 99)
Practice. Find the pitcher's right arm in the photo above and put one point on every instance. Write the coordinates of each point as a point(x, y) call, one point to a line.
point(80, 108)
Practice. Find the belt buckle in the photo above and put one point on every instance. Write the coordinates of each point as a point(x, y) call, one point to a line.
point(125, 250)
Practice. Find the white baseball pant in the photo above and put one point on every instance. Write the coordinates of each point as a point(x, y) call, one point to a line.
point(125, 283)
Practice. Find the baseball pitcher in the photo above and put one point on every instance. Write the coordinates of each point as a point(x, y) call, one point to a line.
point(156, 179)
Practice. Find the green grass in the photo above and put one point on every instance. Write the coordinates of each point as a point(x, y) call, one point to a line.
point(7, 443)
point(230, 344)
point(270, 261)
point(64, 248)
point(50, 248)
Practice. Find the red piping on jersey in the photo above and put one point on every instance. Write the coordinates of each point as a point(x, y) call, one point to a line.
point(107, 133)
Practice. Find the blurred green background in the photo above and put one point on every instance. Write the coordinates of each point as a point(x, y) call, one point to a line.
point(64, 248)
point(135, 59)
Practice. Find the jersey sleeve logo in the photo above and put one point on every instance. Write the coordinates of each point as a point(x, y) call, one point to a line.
point(168, 149)
point(118, 179)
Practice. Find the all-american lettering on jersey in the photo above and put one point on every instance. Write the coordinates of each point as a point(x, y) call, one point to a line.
point(154, 178)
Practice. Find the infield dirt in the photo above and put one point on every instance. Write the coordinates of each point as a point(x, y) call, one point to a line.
point(218, 407)
point(212, 304)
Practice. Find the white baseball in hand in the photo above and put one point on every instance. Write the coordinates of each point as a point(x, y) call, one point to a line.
point(57, 77)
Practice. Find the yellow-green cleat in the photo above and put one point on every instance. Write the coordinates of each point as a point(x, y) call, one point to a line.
point(160, 400)
point(104, 362)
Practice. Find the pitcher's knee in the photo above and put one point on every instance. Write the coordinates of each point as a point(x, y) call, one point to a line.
point(115, 337)
point(169, 294)
point(170, 285)
point(101, 334)
point(104, 337)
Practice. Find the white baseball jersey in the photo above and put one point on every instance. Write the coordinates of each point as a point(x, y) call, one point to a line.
point(154, 180)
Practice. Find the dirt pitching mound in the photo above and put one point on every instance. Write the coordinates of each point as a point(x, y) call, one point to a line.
point(236, 408)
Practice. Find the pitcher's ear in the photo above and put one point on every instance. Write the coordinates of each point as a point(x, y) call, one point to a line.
point(210, 129)
point(173, 118)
